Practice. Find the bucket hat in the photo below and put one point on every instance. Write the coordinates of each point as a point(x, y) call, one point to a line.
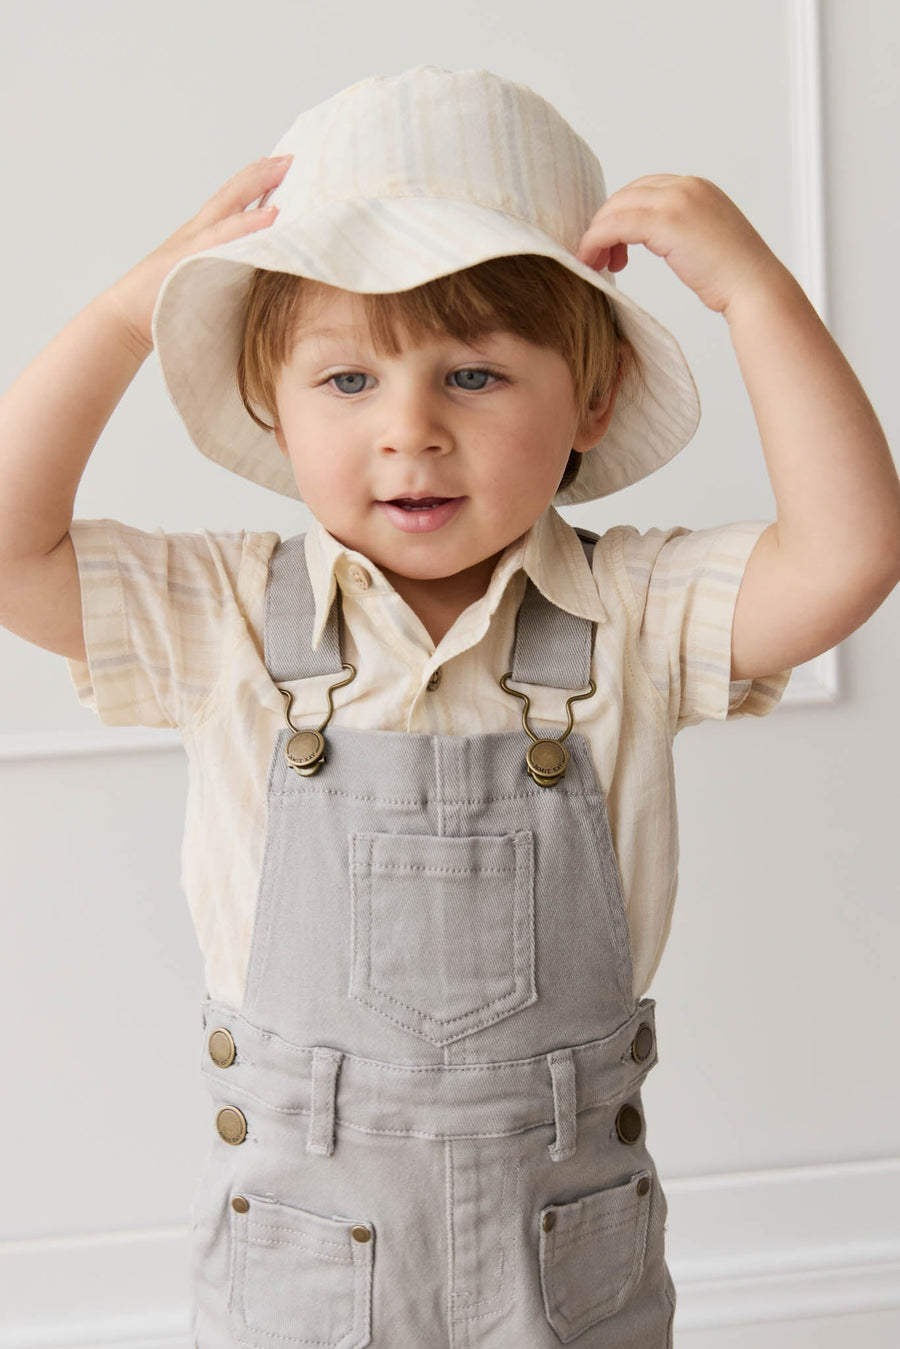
point(397, 180)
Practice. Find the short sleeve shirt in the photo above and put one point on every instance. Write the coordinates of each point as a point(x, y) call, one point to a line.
point(173, 630)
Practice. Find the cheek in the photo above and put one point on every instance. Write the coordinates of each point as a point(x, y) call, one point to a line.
point(329, 479)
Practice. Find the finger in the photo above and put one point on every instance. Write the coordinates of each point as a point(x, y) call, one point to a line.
point(637, 223)
point(618, 257)
point(610, 222)
point(651, 180)
point(612, 259)
point(252, 182)
point(233, 226)
point(597, 258)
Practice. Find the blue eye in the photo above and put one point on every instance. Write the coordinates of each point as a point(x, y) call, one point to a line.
point(347, 374)
point(476, 371)
point(471, 370)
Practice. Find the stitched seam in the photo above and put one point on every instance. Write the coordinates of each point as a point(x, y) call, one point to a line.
point(506, 1002)
point(625, 1033)
point(303, 1236)
point(441, 871)
point(303, 793)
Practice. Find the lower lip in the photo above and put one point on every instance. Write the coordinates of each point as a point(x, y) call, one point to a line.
point(421, 521)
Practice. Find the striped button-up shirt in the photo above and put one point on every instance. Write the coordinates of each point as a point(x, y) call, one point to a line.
point(173, 629)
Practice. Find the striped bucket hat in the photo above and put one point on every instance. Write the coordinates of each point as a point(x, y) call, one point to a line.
point(396, 180)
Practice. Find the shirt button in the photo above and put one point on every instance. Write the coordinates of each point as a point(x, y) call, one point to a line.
point(359, 576)
point(435, 680)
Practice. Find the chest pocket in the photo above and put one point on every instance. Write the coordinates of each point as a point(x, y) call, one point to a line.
point(443, 929)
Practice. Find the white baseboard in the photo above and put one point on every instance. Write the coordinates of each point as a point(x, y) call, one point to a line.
point(115, 1290)
point(785, 1245)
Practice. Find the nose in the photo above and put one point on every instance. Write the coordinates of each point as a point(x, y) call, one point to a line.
point(413, 421)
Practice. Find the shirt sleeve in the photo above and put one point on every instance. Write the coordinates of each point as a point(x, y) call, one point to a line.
point(685, 584)
point(160, 613)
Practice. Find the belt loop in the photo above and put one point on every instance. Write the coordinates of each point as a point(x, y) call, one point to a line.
point(325, 1065)
point(562, 1071)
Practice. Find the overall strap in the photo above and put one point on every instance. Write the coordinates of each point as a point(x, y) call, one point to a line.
point(290, 617)
point(551, 646)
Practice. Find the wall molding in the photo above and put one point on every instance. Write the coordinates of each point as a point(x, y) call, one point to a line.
point(816, 682)
point(95, 739)
point(785, 1244)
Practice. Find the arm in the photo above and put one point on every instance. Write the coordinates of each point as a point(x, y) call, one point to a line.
point(834, 553)
point(50, 420)
point(52, 415)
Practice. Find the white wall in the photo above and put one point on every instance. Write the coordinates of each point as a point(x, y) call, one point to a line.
point(773, 1112)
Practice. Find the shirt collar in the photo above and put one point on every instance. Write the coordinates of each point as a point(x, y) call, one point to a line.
point(550, 553)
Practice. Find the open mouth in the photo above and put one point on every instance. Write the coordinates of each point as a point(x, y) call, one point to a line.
point(425, 504)
point(421, 516)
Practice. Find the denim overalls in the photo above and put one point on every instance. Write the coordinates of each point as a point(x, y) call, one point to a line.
point(426, 1116)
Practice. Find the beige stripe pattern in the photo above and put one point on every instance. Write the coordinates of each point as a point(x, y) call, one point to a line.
point(173, 627)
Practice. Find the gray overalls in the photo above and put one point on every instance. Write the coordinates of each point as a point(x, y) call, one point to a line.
point(427, 1117)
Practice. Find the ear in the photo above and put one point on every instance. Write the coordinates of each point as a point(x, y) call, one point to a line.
point(599, 416)
point(279, 436)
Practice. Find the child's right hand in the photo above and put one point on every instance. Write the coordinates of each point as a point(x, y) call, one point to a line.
point(223, 218)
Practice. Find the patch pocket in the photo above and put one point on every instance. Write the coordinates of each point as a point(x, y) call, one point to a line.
point(592, 1254)
point(300, 1277)
point(442, 937)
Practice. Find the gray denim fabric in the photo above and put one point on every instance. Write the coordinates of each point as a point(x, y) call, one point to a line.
point(435, 1043)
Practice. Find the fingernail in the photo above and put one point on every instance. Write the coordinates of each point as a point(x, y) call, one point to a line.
point(282, 159)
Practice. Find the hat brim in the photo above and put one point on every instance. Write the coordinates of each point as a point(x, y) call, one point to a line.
point(381, 245)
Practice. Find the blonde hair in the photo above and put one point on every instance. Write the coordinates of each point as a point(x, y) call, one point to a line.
point(530, 295)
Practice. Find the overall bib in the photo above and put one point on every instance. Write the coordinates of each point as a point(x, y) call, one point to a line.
point(427, 1118)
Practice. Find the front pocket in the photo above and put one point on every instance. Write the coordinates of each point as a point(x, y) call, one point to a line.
point(592, 1254)
point(442, 938)
point(300, 1277)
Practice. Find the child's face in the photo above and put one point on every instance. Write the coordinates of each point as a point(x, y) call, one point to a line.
point(424, 423)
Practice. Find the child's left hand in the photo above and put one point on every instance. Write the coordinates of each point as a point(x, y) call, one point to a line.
point(691, 223)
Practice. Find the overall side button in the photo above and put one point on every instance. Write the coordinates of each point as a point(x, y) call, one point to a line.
point(642, 1044)
point(221, 1047)
point(629, 1124)
point(231, 1124)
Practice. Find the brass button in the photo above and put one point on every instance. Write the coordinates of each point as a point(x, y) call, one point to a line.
point(305, 749)
point(643, 1185)
point(628, 1124)
point(360, 1233)
point(359, 576)
point(549, 1222)
point(221, 1048)
point(231, 1124)
point(435, 680)
point(642, 1044)
point(546, 760)
point(239, 1204)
